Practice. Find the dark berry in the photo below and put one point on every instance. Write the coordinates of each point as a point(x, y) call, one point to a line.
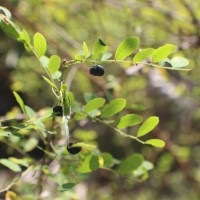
point(73, 150)
point(97, 70)
point(58, 111)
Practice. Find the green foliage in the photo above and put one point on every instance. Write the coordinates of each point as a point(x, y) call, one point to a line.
point(179, 62)
point(85, 50)
point(44, 126)
point(49, 82)
point(11, 165)
point(143, 54)
point(129, 120)
point(156, 142)
point(39, 44)
point(66, 186)
point(130, 163)
point(91, 163)
point(163, 52)
point(113, 107)
point(54, 64)
point(94, 104)
point(126, 48)
point(20, 102)
point(147, 126)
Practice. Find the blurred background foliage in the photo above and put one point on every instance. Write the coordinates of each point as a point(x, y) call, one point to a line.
point(172, 96)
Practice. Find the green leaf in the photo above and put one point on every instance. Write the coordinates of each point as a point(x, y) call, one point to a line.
point(40, 45)
point(179, 62)
point(30, 112)
point(24, 37)
point(56, 75)
point(99, 48)
point(49, 82)
point(163, 52)
point(54, 64)
point(108, 159)
point(126, 48)
point(9, 27)
point(91, 163)
point(30, 144)
point(106, 56)
point(143, 54)
point(85, 135)
point(156, 143)
point(130, 163)
point(20, 102)
point(94, 113)
point(129, 120)
point(94, 104)
point(113, 107)
point(70, 98)
point(146, 166)
point(11, 165)
point(148, 125)
point(44, 60)
point(85, 50)
point(66, 186)
point(79, 116)
point(23, 162)
point(85, 146)
point(80, 56)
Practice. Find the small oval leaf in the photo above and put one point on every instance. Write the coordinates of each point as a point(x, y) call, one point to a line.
point(130, 163)
point(91, 163)
point(40, 45)
point(179, 62)
point(108, 159)
point(11, 165)
point(113, 107)
point(163, 52)
point(143, 54)
point(94, 104)
point(148, 125)
point(156, 143)
point(54, 64)
point(66, 186)
point(126, 48)
point(129, 120)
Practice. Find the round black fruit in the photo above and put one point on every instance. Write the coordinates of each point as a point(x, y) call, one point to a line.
point(97, 70)
point(73, 150)
point(58, 111)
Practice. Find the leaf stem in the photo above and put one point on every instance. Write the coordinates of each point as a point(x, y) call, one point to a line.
point(119, 131)
point(73, 62)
